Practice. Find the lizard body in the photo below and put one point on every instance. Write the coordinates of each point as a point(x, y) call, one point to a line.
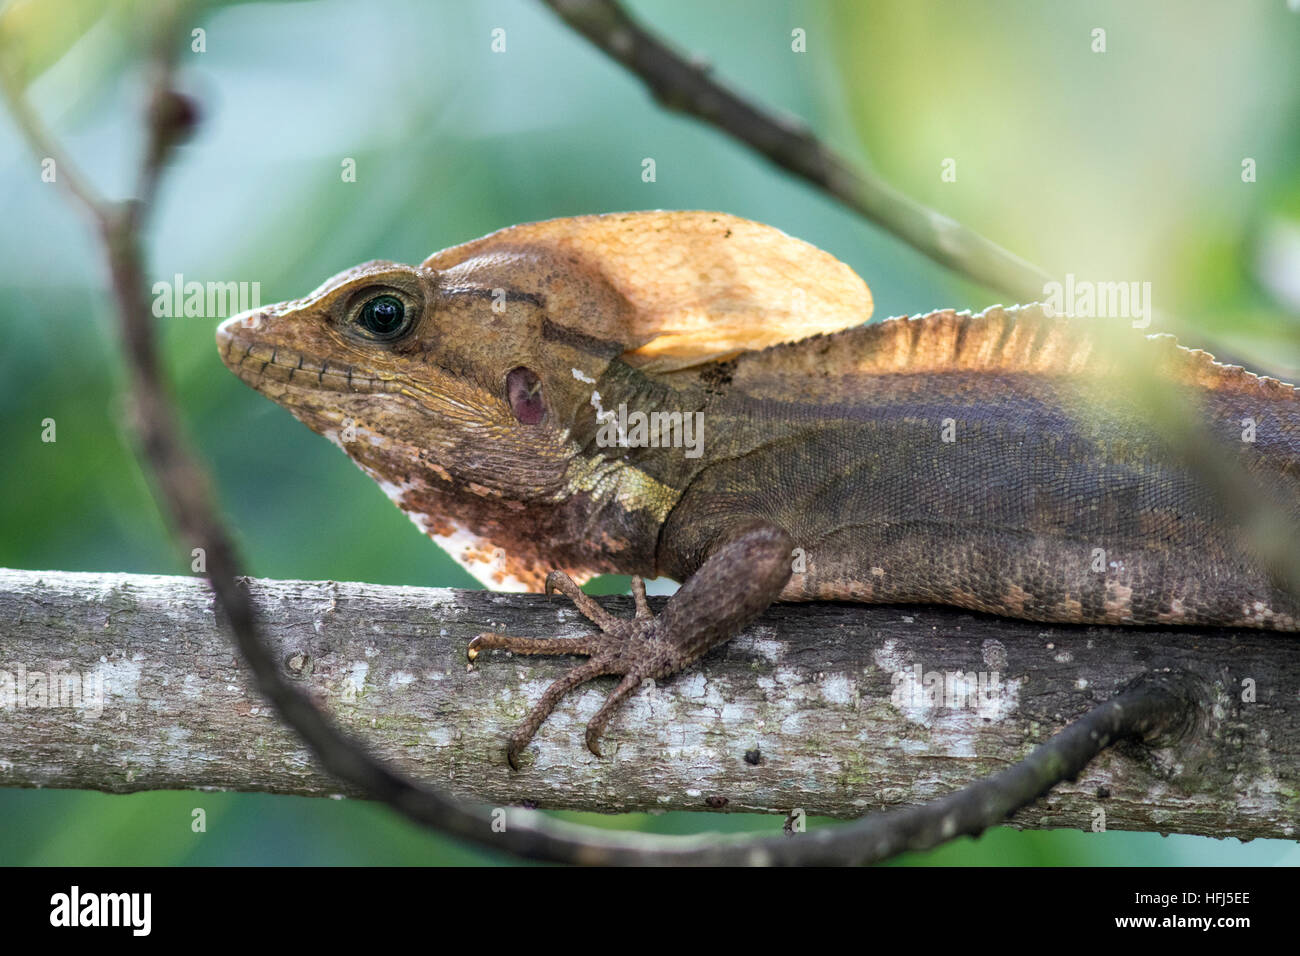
point(503, 394)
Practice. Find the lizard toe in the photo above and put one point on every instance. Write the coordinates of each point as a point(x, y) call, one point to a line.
point(631, 648)
point(596, 726)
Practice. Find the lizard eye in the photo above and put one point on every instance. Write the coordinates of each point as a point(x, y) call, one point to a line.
point(383, 317)
point(524, 390)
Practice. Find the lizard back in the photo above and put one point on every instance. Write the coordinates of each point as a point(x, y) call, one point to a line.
point(1004, 462)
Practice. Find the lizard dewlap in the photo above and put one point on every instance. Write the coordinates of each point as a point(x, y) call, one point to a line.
point(698, 396)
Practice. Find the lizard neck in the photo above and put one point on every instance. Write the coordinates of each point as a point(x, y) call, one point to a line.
point(591, 505)
point(636, 445)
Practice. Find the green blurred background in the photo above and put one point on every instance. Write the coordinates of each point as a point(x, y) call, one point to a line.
point(1122, 165)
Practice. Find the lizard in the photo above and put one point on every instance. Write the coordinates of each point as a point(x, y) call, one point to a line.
point(696, 396)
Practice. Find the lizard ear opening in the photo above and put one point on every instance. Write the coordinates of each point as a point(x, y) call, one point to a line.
point(524, 393)
point(669, 289)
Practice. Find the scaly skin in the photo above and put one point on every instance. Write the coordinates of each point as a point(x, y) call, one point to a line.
point(1000, 462)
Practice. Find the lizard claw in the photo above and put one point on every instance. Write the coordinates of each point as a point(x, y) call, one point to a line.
point(625, 647)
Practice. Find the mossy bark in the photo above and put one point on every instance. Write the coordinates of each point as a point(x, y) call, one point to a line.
point(812, 708)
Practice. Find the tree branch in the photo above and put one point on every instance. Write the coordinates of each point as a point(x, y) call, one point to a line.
point(688, 86)
point(811, 688)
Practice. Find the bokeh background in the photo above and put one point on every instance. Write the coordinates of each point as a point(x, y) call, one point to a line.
point(1122, 165)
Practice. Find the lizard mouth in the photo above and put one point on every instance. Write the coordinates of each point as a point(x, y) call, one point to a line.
point(262, 365)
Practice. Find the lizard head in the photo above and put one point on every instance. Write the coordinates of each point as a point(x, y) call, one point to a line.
point(468, 386)
point(413, 357)
point(458, 397)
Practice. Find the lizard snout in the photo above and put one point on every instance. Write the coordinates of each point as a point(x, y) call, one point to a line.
point(249, 321)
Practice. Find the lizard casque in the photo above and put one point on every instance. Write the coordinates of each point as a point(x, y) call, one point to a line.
point(504, 394)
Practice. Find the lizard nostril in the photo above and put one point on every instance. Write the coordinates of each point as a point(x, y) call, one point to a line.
point(251, 320)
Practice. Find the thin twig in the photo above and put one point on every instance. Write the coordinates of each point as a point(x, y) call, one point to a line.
point(42, 143)
point(687, 86)
point(1157, 708)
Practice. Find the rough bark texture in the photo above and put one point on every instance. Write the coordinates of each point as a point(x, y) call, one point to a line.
point(814, 689)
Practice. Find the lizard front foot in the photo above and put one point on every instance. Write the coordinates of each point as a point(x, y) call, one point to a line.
point(632, 648)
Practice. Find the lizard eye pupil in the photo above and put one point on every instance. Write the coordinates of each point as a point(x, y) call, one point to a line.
point(384, 316)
